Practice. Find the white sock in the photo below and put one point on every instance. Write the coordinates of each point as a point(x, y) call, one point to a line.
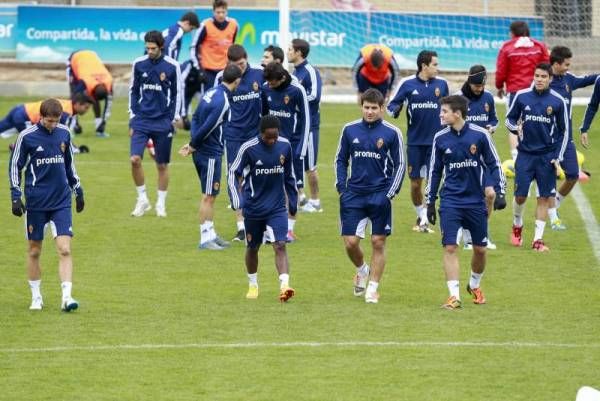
point(552, 214)
point(363, 270)
point(514, 153)
point(372, 287)
point(253, 279)
point(284, 280)
point(423, 216)
point(539, 229)
point(205, 231)
point(419, 210)
point(141, 191)
point(559, 199)
point(162, 197)
point(66, 289)
point(291, 224)
point(475, 280)
point(97, 122)
point(34, 286)
point(240, 225)
point(212, 233)
point(518, 213)
point(315, 202)
point(453, 288)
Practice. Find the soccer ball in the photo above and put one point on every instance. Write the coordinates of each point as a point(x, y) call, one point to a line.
point(580, 158)
point(508, 168)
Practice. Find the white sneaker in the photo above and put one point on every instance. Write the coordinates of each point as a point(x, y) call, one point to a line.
point(371, 297)
point(211, 245)
point(69, 304)
point(360, 283)
point(161, 210)
point(36, 303)
point(308, 208)
point(491, 245)
point(141, 207)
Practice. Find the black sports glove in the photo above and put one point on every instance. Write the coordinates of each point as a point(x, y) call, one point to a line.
point(17, 207)
point(431, 214)
point(79, 203)
point(499, 202)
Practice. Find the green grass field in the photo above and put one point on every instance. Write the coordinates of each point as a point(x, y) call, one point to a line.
point(161, 320)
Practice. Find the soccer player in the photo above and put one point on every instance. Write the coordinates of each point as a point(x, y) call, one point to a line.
point(174, 34)
point(154, 104)
point(590, 113)
point(481, 111)
point(206, 148)
point(264, 167)
point(310, 78)
point(285, 98)
point(244, 113)
point(272, 54)
point(372, 148)
point(460, 153)
point(565, 83)
point(44, 150)
point(516, 62)
point(545, 117)
point(87, 74)
point(421, 93)
point(376, 68)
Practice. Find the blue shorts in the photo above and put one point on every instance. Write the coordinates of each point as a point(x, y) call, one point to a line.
point(209, 172)
point(276, 225)
point(356, 210)
point(162, 144)
point(16, 120)
point(418, 160)
point(569, 163)
point(529, 167)
point(60, 222)
point(310, 161)
point(364, 84)
point(231, 151)
point(472, 219)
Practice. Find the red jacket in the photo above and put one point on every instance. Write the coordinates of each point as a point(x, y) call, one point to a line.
point(516, 62)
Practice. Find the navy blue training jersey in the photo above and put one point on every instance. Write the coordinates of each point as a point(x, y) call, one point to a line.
point(545, 122)
point(422, 100)
point(50, 175)
point(310, 78)
point(482, 110)
point(461, 157)
point(267, 174)
point(591, 108)
point(173, 36)
point(375, 155)
point(207, 121)
point(564, 85)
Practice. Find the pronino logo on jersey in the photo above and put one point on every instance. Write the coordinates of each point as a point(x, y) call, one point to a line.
point(39, 149)
point(280, 113)
point(246, 96)
point(464, 164)
point(153, 87)
point(367, 154)
point(482, 118)
point(538, 119)
point(270, 171)
point(424, 105)
point(58, 159)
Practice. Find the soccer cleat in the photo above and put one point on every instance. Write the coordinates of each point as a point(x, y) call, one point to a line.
point(371, 297)
point(452, 303)
point(161, 211)
point(308, 208)
point(240, 236)
point(36, 303)
point(539, 246)
point(102, 135)
point(141, 207)
point(291, 237)
point(424, 228)
point(516, 237)
point(210, 245)
point(285, 293)
point(477, 294)
point(491, 245)
point(221, 242)
point(417, 224)
point(558, 225)
point(69, 304)
point(252, 292)
point(360, 283)
point(303, 201)
point(468, 246)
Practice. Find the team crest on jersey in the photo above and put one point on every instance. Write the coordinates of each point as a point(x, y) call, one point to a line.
point(486, 107)
point(162, 76)
point(379, 143)
point(549, 110)
point(437, 92)
point(473, 149)
point(30, 229)
point(255, 86)
point(63, 147)
point(281, 159)
point(286, 99)
point(216, 186)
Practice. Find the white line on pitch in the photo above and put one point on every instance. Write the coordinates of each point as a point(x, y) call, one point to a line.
point(587, 215)
point(347, 344)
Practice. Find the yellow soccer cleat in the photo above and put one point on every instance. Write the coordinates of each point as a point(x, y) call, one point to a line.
point(252, 292)
point(452, 303)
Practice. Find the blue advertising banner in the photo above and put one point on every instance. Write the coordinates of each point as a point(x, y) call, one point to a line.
point(116, 34)
point(8, 23)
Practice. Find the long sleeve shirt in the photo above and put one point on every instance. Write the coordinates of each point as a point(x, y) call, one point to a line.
point(207, 121)
point(310, 78)
point(564, 85)
point(592, 107)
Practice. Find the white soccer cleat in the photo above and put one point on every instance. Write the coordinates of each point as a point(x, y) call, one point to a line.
point(371, 297)
point(308, 208)
point(69, 304)
point(36, 303)
point(161, 210)
point(360, 283)
point(491, 245)
point(141, 207)
point(210, 245)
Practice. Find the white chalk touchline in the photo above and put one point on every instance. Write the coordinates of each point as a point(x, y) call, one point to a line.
point(589, 220)
point(301, 344)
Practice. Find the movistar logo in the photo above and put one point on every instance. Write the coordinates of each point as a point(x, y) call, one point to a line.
point(248, 30)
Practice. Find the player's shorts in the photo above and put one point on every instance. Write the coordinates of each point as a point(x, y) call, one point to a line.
point(15, 121)
point(364, 84)
point(357, 209)
point(472, 219)
point(209, 172)
point(298, 164)
point(529, 167)
point(418, 157)
point(209, 79)
point(310, 161)
point(569, 163)
point(275, 225)
point(162, 143)
point(60, 222)
point(231, 151)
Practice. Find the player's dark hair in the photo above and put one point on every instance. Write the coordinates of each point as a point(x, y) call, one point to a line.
point(477, 75)
point(191, 18)
point(269, 121)
point(377, 58)
point(51, 108)
point(519, 28)
point(236, 53)
point(545, 67)
point(273, 72)
point(559, 54)
point(456, 103)
point(81, 97)
point(100, 92)
point(154, 37)
point(276, 52)
point(302, 46)
point(425, 57)
point(231, 73)
point(219, 4)
point(372, 95)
